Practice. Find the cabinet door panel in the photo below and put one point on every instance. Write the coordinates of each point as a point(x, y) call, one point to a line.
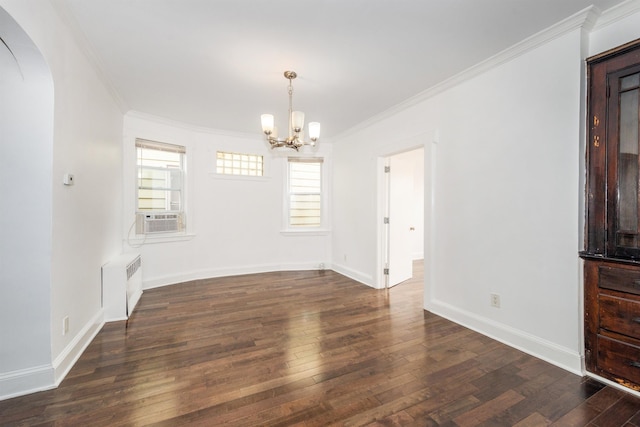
point(619, 359)
point(620, 315)
point(619, 279)
point(623, 145)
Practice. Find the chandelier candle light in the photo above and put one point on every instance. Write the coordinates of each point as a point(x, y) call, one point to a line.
point(295, 138)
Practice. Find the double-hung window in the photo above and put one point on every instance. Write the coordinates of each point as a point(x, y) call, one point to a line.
point(160, 187)
point(304, 193)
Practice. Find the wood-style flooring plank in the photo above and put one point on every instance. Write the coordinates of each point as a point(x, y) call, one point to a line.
point(309, 348)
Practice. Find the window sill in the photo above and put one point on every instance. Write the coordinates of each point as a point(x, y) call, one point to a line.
point(159, 238)
point(306, 232)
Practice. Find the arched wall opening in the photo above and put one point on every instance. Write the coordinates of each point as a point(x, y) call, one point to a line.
point(26, 160)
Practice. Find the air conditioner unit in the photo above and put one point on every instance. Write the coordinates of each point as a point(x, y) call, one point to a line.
point(147, 223)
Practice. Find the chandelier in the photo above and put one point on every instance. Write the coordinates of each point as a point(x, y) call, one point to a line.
point(295, 138)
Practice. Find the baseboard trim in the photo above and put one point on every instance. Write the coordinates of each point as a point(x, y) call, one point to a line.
point(533, 345)
point(356, 275)
point(72, 352)
point(26, 381)
point(47, 377)
point(157, 282)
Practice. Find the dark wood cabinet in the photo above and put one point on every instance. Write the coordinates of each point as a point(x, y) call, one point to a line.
point(612, 320)
point(612, 236)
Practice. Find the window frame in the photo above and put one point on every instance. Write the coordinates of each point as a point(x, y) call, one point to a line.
point(320, 229)
point(141, 143)
point(251, 157)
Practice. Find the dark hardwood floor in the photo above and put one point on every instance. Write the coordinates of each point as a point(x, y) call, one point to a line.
point(313, 349)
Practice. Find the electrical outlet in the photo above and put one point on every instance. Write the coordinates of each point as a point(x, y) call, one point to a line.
point(65, 325)
point(495, 300)
point(321, 266)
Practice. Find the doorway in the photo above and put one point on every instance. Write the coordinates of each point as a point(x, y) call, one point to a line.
point(403, 223)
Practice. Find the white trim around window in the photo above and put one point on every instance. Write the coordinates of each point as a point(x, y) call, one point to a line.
point(305, 207)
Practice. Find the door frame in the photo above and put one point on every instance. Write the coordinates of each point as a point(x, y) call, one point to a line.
point(382, 205)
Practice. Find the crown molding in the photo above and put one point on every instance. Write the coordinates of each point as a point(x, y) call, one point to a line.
point(586, 18)
point(616, 13)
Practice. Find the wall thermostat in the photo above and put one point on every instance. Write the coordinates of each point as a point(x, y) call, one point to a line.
point(67, 179)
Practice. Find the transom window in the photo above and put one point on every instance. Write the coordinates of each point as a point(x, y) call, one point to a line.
point(239, 164)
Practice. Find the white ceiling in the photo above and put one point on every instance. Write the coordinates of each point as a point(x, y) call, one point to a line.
point(220, 63)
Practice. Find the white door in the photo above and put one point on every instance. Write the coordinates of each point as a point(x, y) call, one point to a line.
point(400, 213)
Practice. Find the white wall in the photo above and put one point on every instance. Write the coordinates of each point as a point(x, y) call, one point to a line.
point(504, 177)
point(234, 224)
point(507, 202)
point(85, 218)
point(26, 127)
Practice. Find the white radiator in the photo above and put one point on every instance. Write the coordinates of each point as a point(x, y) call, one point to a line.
point(121, 286)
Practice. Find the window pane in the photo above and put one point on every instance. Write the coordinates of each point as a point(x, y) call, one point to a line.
point(630, 81)
point(159, 200)
point(160, 173)
point(305, 210)
point(155, 158)
point(305, 193)
point(628, 163)
point(159, 178)
point(304, 177)
point(239, 164)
